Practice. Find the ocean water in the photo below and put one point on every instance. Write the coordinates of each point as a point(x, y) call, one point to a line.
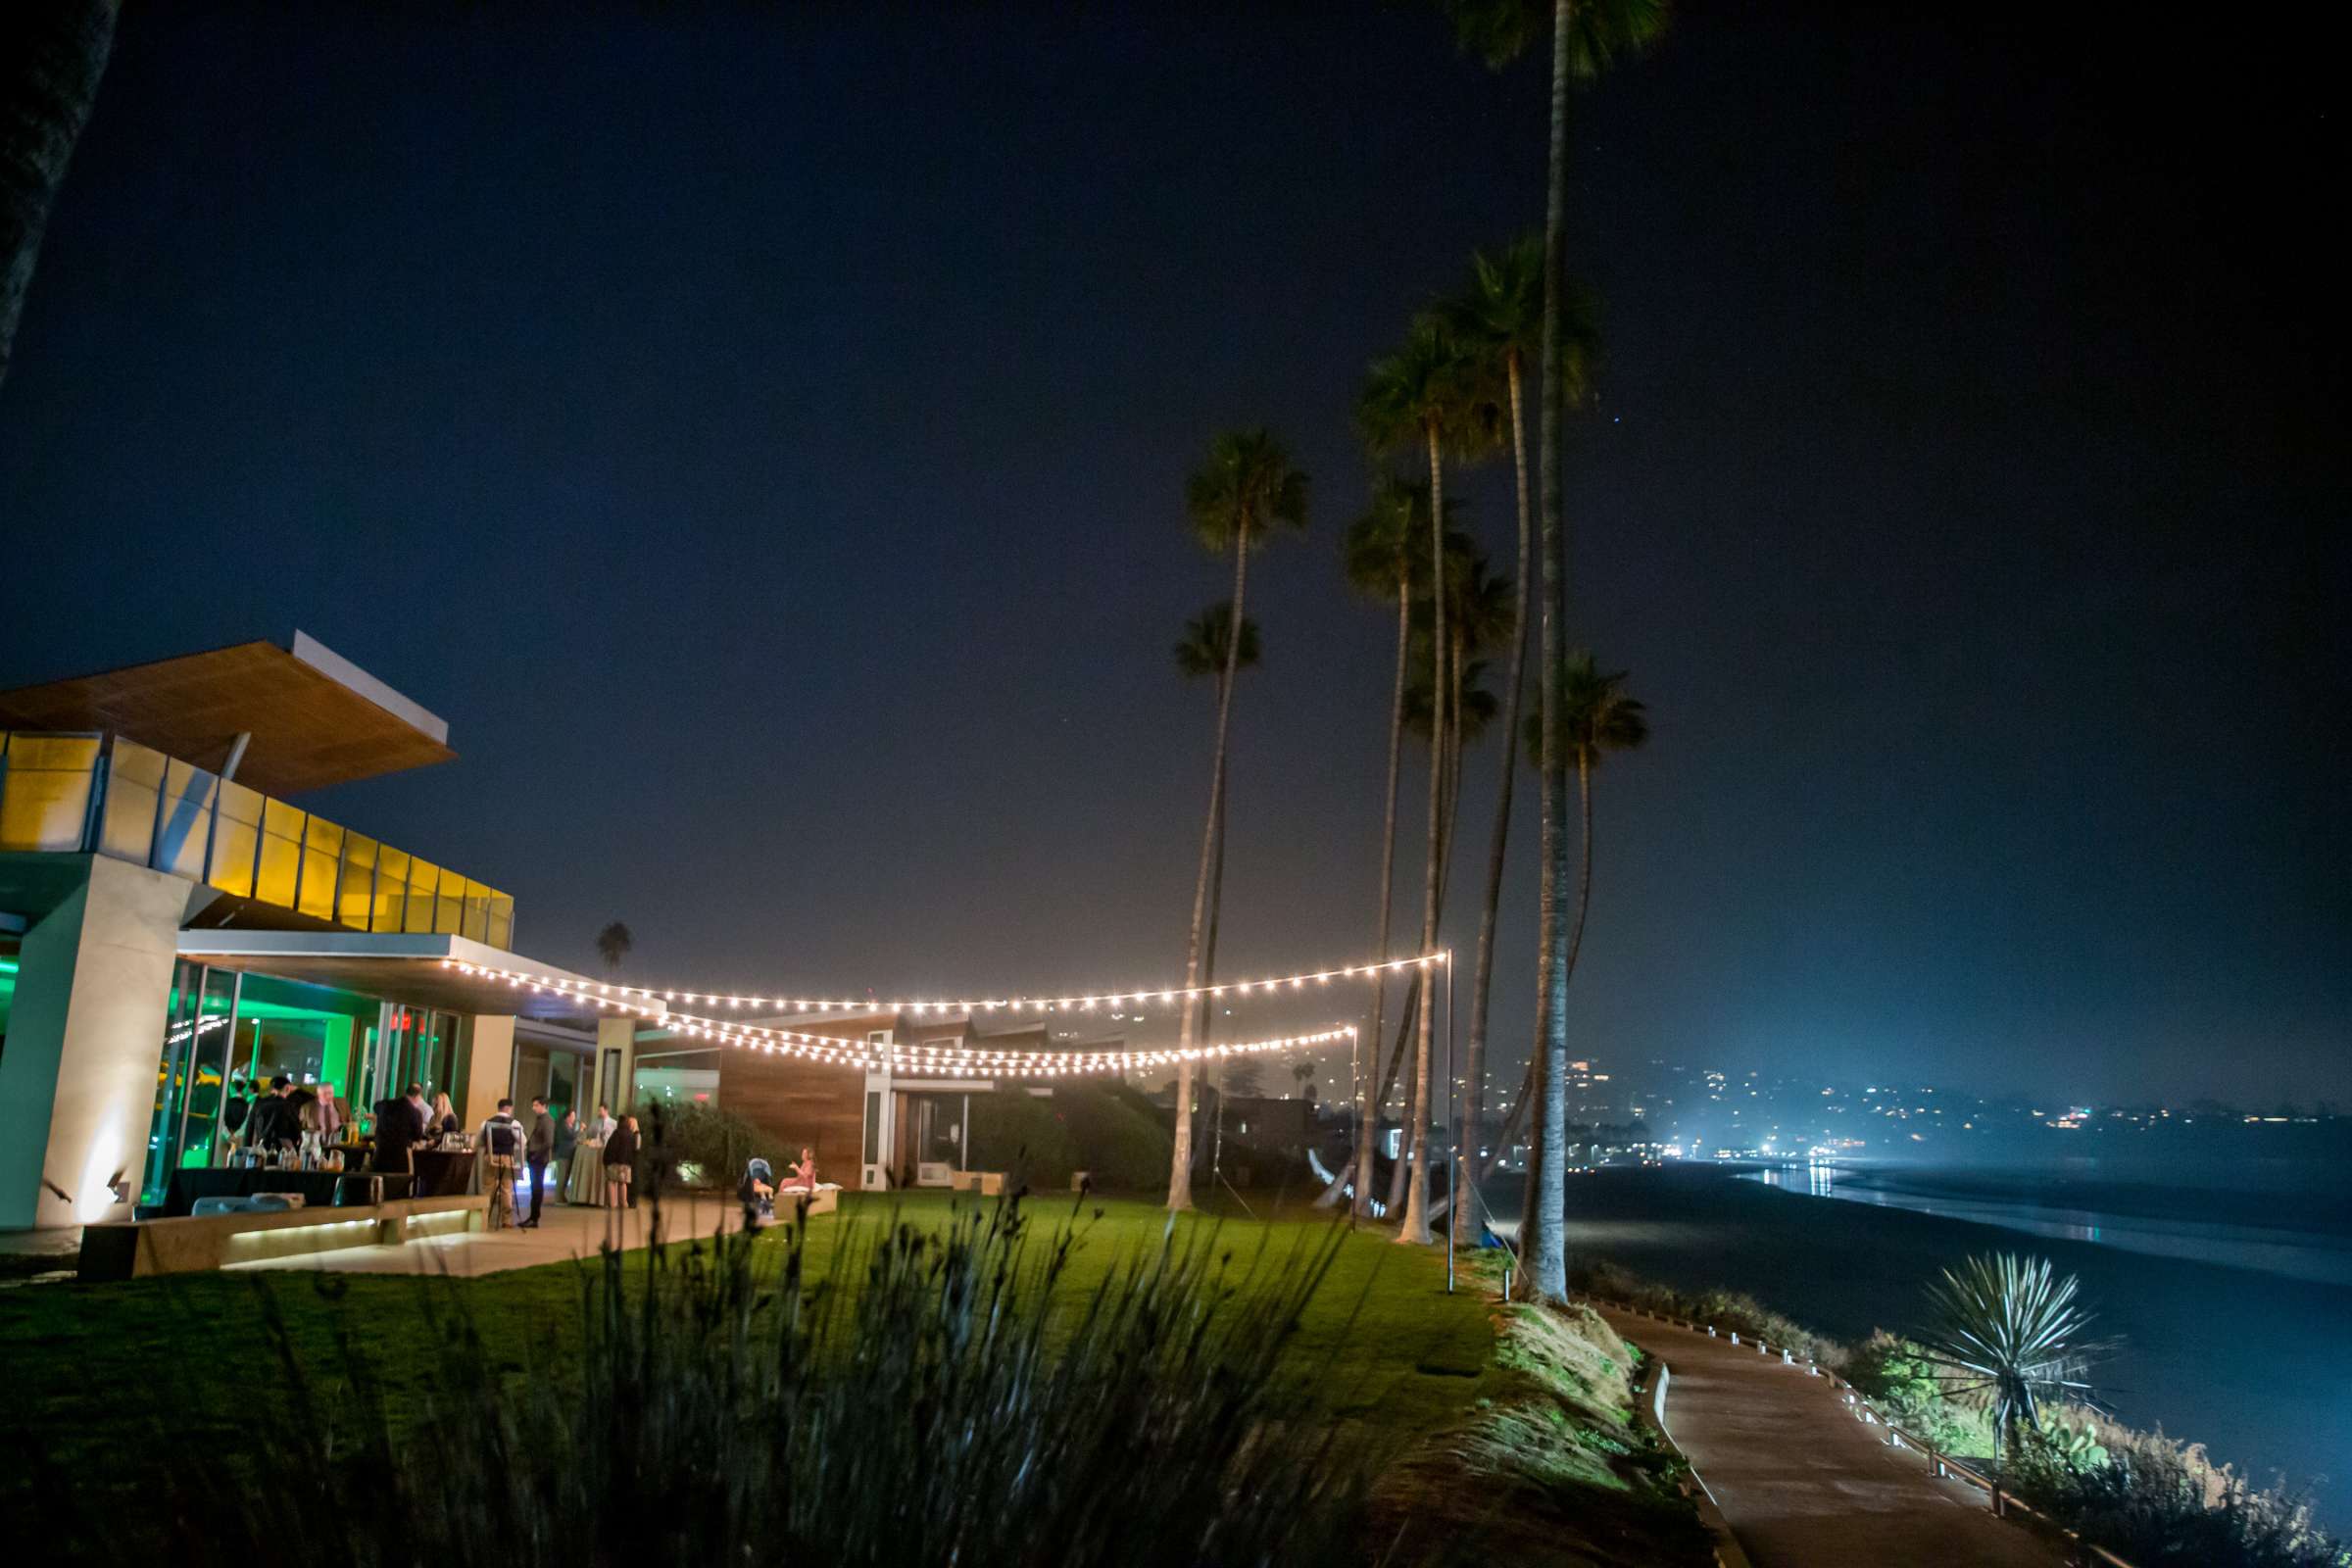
point(2227, 1290)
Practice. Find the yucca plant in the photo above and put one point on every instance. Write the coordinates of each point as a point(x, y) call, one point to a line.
point(2008, 1333)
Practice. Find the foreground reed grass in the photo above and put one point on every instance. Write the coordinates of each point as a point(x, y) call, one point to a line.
point(930, 1396)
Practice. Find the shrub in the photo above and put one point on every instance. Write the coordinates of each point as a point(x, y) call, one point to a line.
point(703, 1147)
point(2164, 1504)
point(1731, 1311)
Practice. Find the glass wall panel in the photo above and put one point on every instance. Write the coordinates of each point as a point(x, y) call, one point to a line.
point(500, 932)
point(358, 894)
point(391, 888)
point(477, 911)
point(449, 903)
point(135, 787)
point(45, 791)
point(422, 875)
point(237, 837)
point(185, 830)
point(322, 862)
point(281, 853)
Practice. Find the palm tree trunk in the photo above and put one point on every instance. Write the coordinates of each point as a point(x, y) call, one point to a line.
point(1208, 964)
point(1415, 1227)
point(1544, 1232)
point(1180, 1162)
point(1367, 1106)
point(1474, 1063)
point(52, 55)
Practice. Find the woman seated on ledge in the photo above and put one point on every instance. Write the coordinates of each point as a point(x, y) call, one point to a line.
point(801, 1177)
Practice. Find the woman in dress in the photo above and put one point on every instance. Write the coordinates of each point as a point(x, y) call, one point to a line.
point(444, 1119)
point(620, 1160)
point(802, 1174)
point(584, 1183)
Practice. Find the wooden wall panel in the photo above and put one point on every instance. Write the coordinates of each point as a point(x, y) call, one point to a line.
point(820, 1104)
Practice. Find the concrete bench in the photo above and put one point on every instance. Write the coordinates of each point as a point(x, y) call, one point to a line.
point(198, 1244)
point(987, 1182)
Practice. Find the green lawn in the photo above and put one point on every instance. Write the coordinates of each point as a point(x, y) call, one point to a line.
point(112, 1376)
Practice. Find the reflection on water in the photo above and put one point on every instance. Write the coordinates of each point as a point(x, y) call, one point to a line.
point(2323, 1256)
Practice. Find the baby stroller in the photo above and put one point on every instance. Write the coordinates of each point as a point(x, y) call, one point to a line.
point(759, 1195)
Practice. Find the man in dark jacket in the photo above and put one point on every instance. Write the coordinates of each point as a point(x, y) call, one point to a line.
point(538, 1151)
point(273, 1122)
point(399, 1128)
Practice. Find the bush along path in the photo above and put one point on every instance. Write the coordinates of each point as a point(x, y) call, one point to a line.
point(1550, 1465)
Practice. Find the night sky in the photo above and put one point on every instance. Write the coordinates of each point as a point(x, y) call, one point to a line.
point(761, 433)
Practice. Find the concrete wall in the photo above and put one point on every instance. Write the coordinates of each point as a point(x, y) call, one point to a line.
point(489, 1068)
point(78, 1082)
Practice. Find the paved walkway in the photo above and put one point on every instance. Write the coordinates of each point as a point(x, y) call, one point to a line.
point(1803, 1483)
point(564, 1233)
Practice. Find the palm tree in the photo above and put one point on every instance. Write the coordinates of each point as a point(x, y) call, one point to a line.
point(1243, 491)
point(1377, 552)
point(612, 944)
point(1501, 317)
point(1596, 718)
point(52, 55)
point(1586, 37)
point(1201, 652)
point(2008, 1331)
point(1426, 394)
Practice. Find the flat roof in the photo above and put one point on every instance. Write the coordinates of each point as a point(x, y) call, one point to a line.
point(315, 717)
point(408, 969)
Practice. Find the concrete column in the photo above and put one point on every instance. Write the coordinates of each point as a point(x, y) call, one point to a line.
point(618, 1033)
point(78, 1082)
point(489, 1068)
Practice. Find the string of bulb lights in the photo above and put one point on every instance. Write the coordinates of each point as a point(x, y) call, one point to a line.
point(995, 1062)
point(607, 994)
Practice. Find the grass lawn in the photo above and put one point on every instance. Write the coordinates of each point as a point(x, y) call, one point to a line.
point(1523, 1442)
point(101, 1375)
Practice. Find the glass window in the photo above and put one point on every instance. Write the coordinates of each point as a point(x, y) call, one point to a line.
point(322, 862)
point(391, 887)
point(449, 903)
point(237, 837)
point(422, 875)
point(281, 853)
point(185, 829)
point(135, 787)
point(45, 791)
point(358, 894)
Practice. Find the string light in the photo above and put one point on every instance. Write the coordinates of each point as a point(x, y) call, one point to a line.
point(603, 994)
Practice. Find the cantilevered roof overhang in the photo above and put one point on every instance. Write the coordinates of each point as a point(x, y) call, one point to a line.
point(417, 972)
point(315, 717)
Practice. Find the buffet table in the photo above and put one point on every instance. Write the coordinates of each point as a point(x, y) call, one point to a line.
point(443, 1173)
point(319, 1189)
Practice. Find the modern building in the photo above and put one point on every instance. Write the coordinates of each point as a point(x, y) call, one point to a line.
point(902, 1127)
point(169, 921)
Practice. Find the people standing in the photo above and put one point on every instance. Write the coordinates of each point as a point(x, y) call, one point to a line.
point(234, 1112)
point(567, 1147)
point(271, 1124)
point(442, 1119)
point(584, 1181)
point(399, 1128)
point(538, 1149)
point(330, 1113)
point(501, 1142)
point(620, 1157)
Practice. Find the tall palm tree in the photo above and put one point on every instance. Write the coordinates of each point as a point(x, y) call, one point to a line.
point(2008, 1331)
point(1244, 490)
point(1596, 718)
point(52, 55)
point(1378, 555)
point(1201, 651)
point(1426, 394)
point(1586, 37)
point(1499, 316)
point(612, 944)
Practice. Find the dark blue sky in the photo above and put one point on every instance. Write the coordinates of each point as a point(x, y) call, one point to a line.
point(761, 434)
